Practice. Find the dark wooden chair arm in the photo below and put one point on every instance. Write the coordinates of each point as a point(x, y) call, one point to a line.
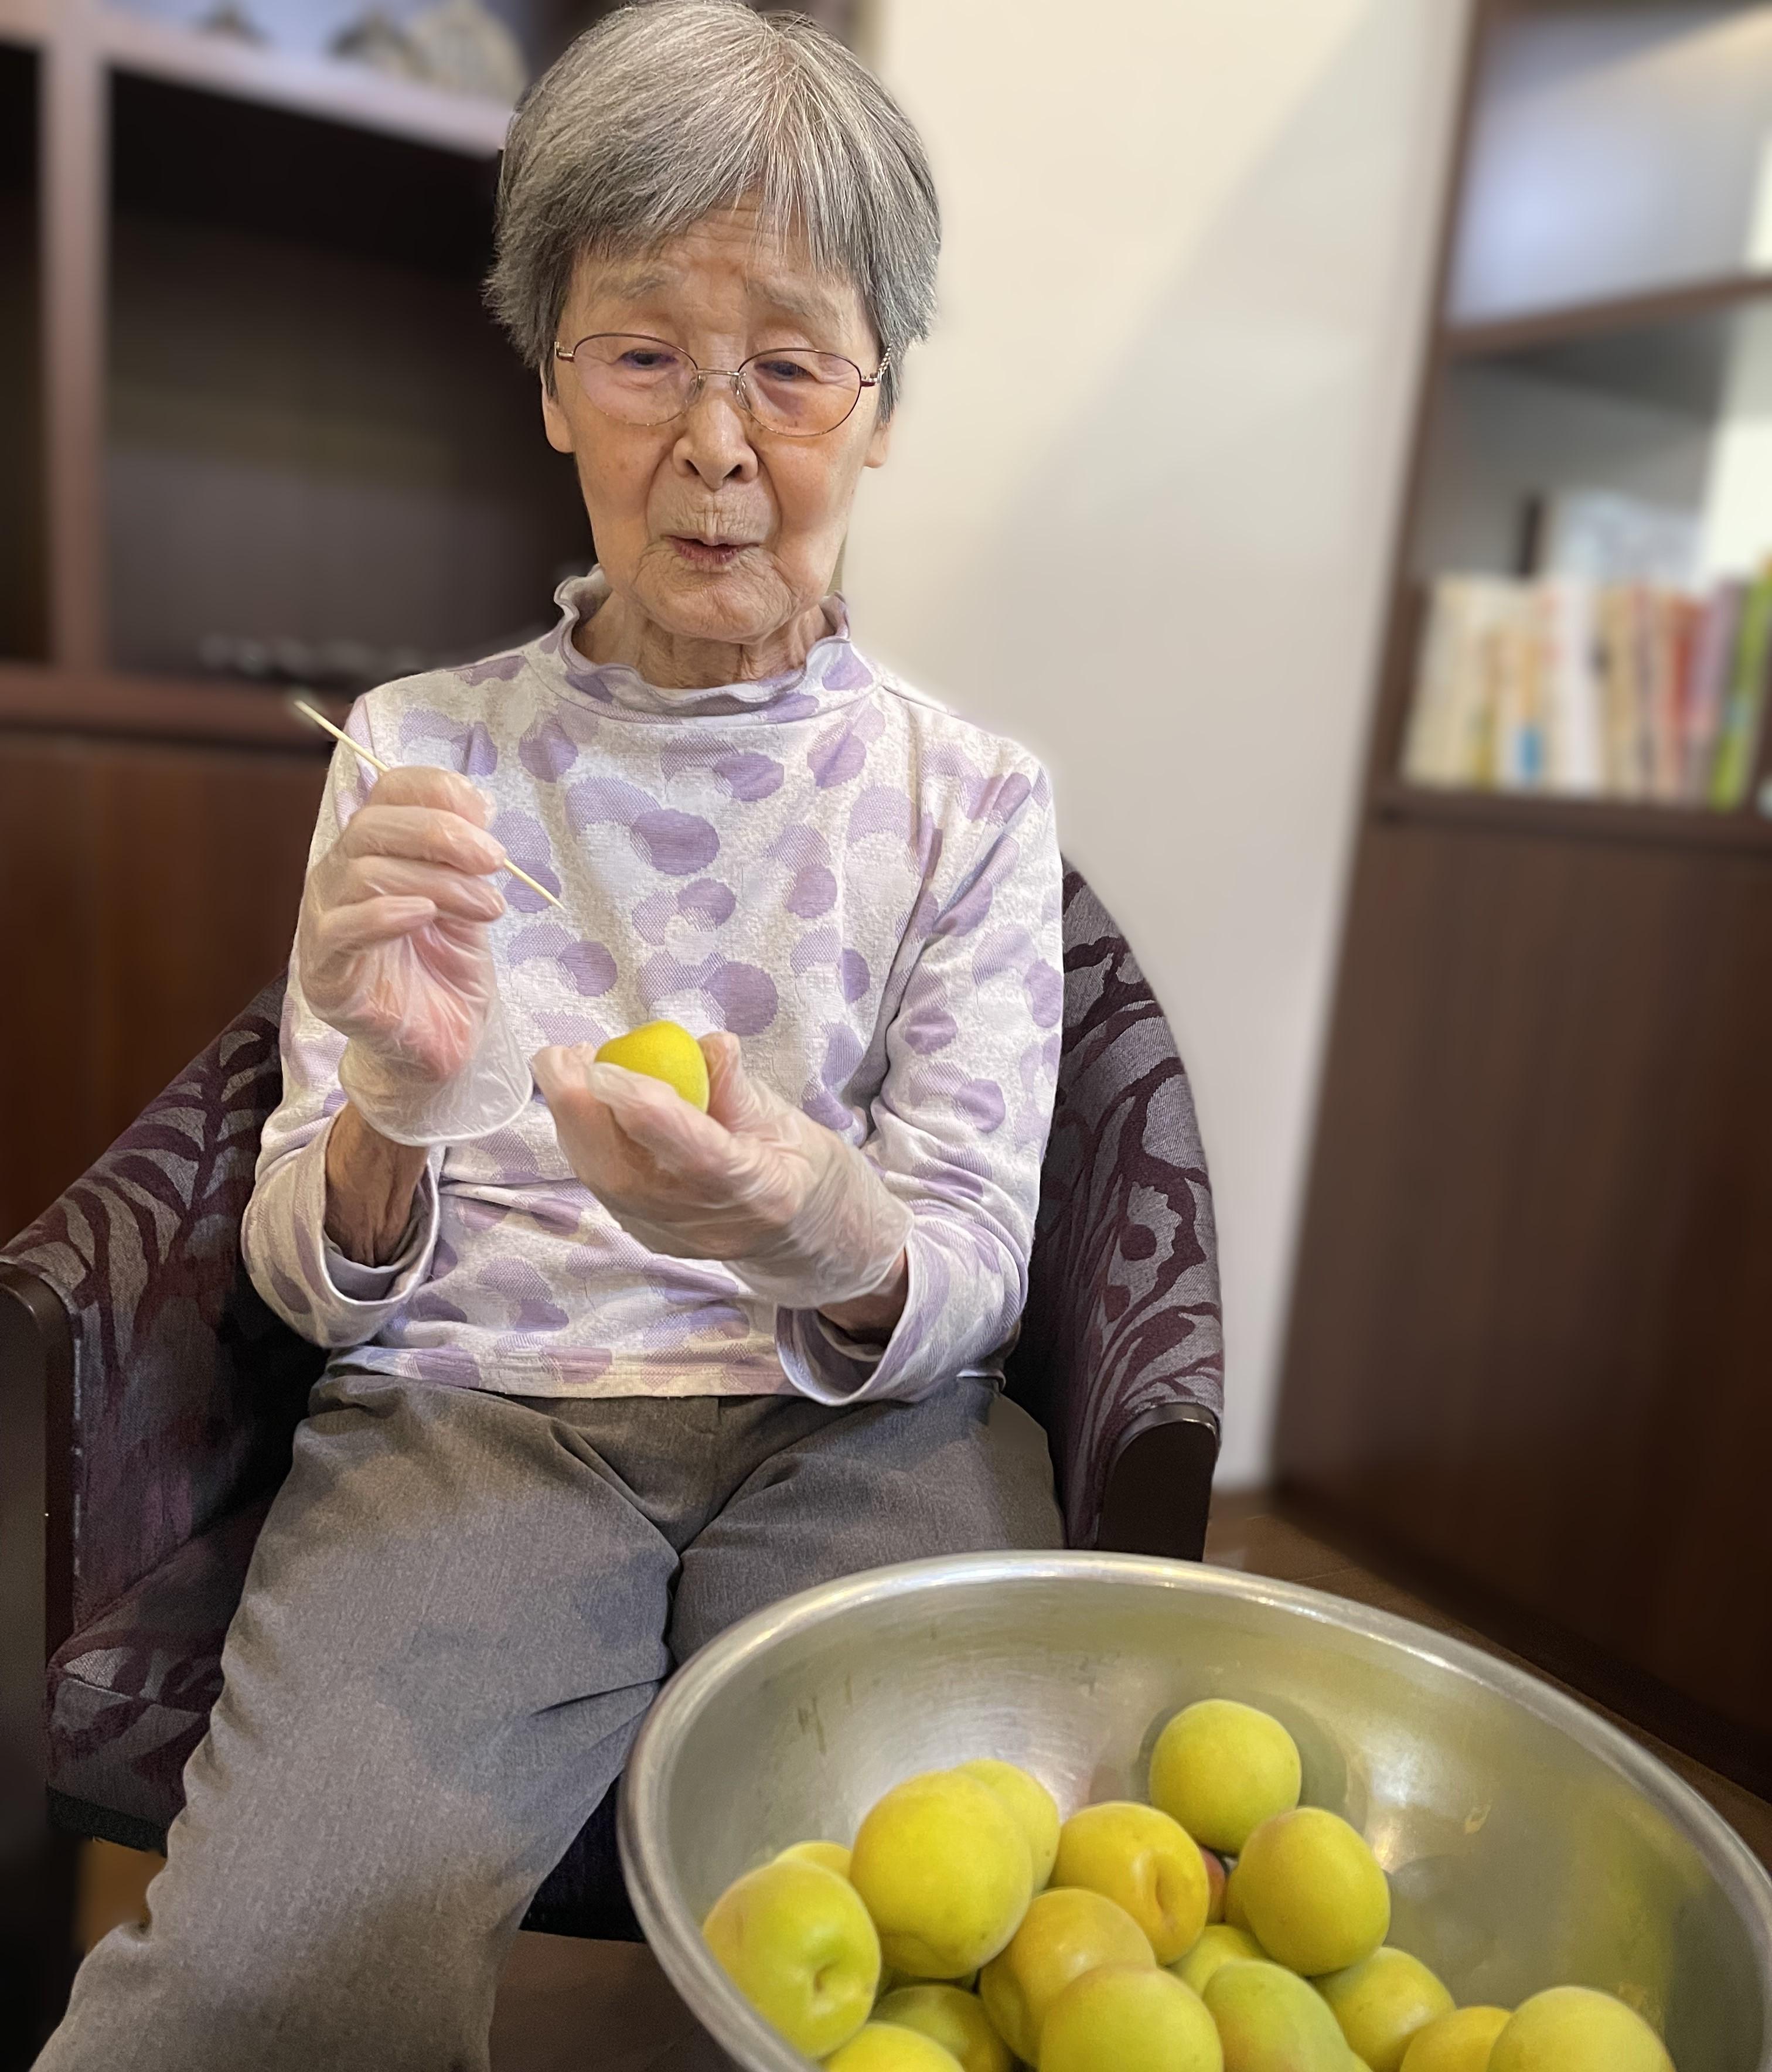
point(36, 1453)
point(37, 1865)
point(1159, 1489)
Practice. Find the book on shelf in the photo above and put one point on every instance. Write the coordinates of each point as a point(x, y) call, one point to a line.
point(1559, 684)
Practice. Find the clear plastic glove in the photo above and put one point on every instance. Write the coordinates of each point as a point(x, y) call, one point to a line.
point(391, 949)
point(800, 1216)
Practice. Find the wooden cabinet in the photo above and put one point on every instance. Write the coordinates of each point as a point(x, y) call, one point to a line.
point(1528, 1346)
point(1528, 1341)
point(146, 889)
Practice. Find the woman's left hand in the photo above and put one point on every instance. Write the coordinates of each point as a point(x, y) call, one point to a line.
point(803, 1218)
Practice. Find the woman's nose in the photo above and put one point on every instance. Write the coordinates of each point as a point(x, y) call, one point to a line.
point(715, 438)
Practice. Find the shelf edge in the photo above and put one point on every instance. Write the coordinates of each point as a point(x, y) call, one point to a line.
point(1492, 336)
point(38, 698)
point(327, 88)
point(1555, 819)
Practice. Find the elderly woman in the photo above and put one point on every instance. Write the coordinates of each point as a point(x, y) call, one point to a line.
point(608, 1372)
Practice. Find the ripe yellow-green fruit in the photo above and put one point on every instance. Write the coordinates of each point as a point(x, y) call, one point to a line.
point(1219, 1943)
point(1459, 2042)
point(944, 1870)
point(892, 1981)
point(796, 1941)
point(1382, 2002)
point(1125, 2018)
point(832, 1855)
point(1035, 1810)
point(1215, 1886)
point(1572, 2029)
point(1269, 2020)
point(884, 2046)
point(1143, 1861)
point(1069, 1931)
point(1221, 1769)
point(662, 1051)
point(1316, 1898)
point(955, 2020)
point(1235, 1913)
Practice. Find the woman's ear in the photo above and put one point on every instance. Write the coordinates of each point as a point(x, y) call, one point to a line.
point(558, 424)
point(879, 444)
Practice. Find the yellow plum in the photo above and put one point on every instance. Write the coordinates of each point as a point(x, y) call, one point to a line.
point(956, 2020)
point(662, 1051)
point(1221, 1769)
point(796, 1941)
point(1381, 2002)
point(1316, 1897)
point(1127, 2018)
point(943, 1867)
point(1068, 1930)
point(1143, 1861)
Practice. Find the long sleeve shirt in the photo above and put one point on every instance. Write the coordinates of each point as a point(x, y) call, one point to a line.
point(861, 887)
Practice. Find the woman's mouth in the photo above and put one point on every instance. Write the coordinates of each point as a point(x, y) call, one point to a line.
point(701, 554)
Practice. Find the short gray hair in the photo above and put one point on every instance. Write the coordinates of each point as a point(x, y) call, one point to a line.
point(667, 111)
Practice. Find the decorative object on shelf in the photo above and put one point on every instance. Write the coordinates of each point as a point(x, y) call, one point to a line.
point(382, 44)
point(226, 19)
point(325, 665)
point(463, 48)
point(1605, 538)
point(1628, 690)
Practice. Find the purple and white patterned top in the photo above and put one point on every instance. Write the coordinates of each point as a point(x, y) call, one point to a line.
point(863, 888)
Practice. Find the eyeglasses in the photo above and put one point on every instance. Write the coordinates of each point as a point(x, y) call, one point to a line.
point(799, 393)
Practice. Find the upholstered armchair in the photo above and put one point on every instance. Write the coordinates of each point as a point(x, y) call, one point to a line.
point(148, 1396)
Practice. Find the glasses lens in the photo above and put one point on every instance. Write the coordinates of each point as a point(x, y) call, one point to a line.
point(801, 393)
point(640, 380)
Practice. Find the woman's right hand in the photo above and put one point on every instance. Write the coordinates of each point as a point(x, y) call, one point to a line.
point(391, 947)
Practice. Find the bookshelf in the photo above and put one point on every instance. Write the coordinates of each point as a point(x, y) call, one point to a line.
point(1526, 1351)
point(250, 393)
point(258, 273)
point(315, 433)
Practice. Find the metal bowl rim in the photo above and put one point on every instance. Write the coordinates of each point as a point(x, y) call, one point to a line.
point(692, 1968)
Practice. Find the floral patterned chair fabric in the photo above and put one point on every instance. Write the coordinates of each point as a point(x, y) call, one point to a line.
point(174, 1391)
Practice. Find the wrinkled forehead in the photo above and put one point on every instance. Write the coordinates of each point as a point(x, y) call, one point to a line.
point(732, 260)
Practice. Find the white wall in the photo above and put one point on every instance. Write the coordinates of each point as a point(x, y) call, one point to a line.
point(1140, 506)
point(1737, 505)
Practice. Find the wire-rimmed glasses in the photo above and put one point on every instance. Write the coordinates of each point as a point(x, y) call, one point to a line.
point(791, 390)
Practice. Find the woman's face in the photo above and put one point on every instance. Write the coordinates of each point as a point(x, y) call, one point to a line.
point(709, 527)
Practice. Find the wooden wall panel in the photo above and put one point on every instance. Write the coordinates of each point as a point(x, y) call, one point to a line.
point(48, 1025)
point(145, 894)
point(22, 601)
point(1529, 1340)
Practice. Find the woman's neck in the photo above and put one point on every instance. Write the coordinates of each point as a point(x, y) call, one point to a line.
point(617, 634)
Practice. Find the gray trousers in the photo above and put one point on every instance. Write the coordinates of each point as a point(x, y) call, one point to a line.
point(458, 1612)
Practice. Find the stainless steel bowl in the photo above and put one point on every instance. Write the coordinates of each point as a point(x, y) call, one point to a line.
point(1528, 1842)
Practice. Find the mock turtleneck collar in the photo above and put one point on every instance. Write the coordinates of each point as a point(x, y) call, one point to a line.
point(834, 673)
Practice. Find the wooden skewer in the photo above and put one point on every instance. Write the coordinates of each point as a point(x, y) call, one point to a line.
point(376, 763)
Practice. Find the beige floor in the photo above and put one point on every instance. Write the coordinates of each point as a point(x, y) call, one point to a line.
point(565, 2005)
